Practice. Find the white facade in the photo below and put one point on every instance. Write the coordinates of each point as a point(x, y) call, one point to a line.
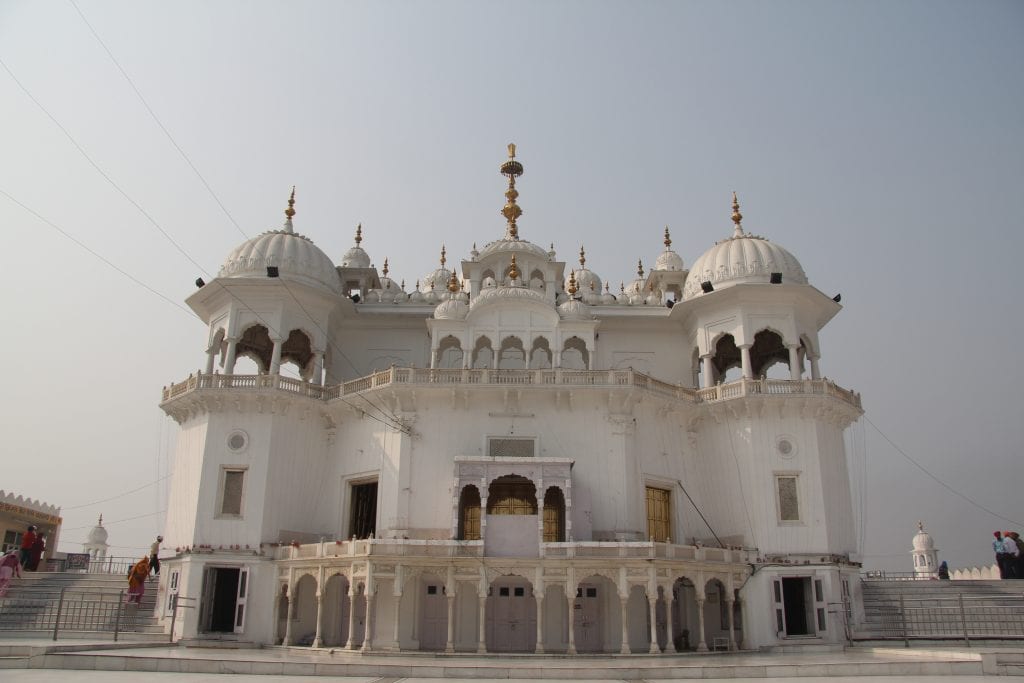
point(500, 460)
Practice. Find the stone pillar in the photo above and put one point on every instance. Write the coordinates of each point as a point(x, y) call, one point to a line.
point(369, 621)
point(229, 361)
point(702, 643)
point(709, 371)
point(449, 646)
point(289, 618)
point(570, 599)
point(317, 642)
point(481, 645)
point(352, 595)
point(748, 371)
point(211, 355)
point(539, 597)
point(815, 369)
point(670, 645)
point(318, 368)
point(652, 600)
point(398, 609)
point(794, 362)
point(624, 602)
point(275, 357)
point(732, 627)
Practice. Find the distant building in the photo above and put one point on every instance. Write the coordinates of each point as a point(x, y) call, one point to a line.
point(510, 457)
point(18, 512)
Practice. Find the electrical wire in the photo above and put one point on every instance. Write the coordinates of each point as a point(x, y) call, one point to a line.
point(115, 497)
point(939, 481)
point(116, 521)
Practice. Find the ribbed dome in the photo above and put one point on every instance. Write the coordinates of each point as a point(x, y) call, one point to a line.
point(922, 539)
point(574, 309)
point(742, 258)
point(356, 257)
point(451, 309)
point(509, 246)
point(668, 259)
point(295, 255)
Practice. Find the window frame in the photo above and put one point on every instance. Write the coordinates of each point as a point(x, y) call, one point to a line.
point(777, 479)
point(222, 481)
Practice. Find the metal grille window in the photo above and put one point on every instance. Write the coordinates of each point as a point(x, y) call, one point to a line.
point(659, 522)
point(510, 448)
point(789, 507)
point(512, 495)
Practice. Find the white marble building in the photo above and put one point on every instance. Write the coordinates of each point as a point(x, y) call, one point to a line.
point(510, 457)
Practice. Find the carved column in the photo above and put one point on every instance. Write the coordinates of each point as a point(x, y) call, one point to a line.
point(624, 601)
point(708, 367)
point(570, 598)
point(369, 620)
point(670, 629)
point(794, 362)
point(481, 645)
point(815, 369)
point(318, 368)
point(352, 594)
point(652, 600)
point(449, 646)
point(539, 597)
point(211, 355)
point(702, 644)
point(275, 356)
point(229, 361)
point(732, 627)
point(748, 371)
point(397, 594)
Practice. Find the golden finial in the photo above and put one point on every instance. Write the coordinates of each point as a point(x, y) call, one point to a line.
point(290, 211)
point(453, 283)
point(513, 272)
point(511, 169)
point(640, 268)
point(403, 284)
point(607, 289)
point(737, 217)
point(359, 234)
point(668, 240)
point(622, 287)
point(572, 284)
point(444, 254)
point(583, 257)
point(385, 271)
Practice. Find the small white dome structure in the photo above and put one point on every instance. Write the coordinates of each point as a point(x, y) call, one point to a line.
point(96, 542)
point(742, 258)
point(437, 280)
point(356, 257)
point(925, 554)
point(588, 283)
point(668, 259)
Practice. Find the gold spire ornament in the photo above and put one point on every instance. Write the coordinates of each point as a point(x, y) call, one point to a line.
point(290, 211)
point(572, 289)
point(583, 257)
point(511, 169)
point(453, 284)
point(359, 234)
point(668, 240)
point(737, 217)
point(385, 271)
point(513, 272)
point(640, 268)
point(444, 256)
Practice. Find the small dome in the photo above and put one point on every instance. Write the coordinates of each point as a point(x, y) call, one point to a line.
point(98, 535)
point(436, 281)
point(637, 286)
point(356, 257)
point(452, 309)
point(922, 539)
point(668, 259)
point(509, 246)
point(574, 309)
point(587, 281)
point(295, 255)
point(743, 258)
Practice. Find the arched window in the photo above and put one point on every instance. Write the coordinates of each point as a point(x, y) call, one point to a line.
point(768, 350)
point(298, 350)
point(512, 495)
point(540, 354)
point(469, 514)
point(255, 343)
point(449, 353)
point(483, 354)
point(727, 359)
point(512, 357)
point(575, 355)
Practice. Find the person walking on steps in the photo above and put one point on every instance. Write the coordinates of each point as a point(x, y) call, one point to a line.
point(26, 545)
point(154, 555)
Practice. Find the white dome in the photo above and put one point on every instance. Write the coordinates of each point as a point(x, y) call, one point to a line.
point(509, 246)
point(295, 255)
point(452, 309)
point(922, 539)
point(574, 309)
point(742, 258)
point(668, 260)
point(356, 257)
point(436, 281)
point(98, 535)
point(587, 281)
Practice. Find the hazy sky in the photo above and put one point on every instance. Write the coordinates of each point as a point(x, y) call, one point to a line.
point(881, 142)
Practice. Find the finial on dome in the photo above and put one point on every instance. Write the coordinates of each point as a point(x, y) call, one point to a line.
point(385, 270)
point(572, 289)
point(737, 217)
point(403, 285)
point(100, 523)
point(668, 240)
point(640, 268)
point(513, 272)
point(289, 212)
point(444, 256)
point(583, 257)
point(920, 526)
point(511, 169)
point(359, 234)
point(453, 283)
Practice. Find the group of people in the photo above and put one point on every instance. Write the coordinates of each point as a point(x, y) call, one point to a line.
point(1009, 550)
point(26, 557)
point(139, 572)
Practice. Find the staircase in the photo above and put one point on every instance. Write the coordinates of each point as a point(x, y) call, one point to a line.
point(91, 604)
point(942, 610)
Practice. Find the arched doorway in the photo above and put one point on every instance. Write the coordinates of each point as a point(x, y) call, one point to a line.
point(433, 611)
point(597, 616)
point(334, 631)
point(511, 616)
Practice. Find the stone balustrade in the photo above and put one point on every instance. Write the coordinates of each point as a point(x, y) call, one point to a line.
point(560, 378)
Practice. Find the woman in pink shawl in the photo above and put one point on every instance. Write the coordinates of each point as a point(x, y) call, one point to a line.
point(9, 567)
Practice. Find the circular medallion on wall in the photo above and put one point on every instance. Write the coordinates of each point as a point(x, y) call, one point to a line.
point(238, 440)
point(786, 446)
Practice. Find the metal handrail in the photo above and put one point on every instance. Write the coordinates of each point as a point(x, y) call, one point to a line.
point(957, 616)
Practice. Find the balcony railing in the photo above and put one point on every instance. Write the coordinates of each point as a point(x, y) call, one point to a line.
point(396, 376)
point(387, 547)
